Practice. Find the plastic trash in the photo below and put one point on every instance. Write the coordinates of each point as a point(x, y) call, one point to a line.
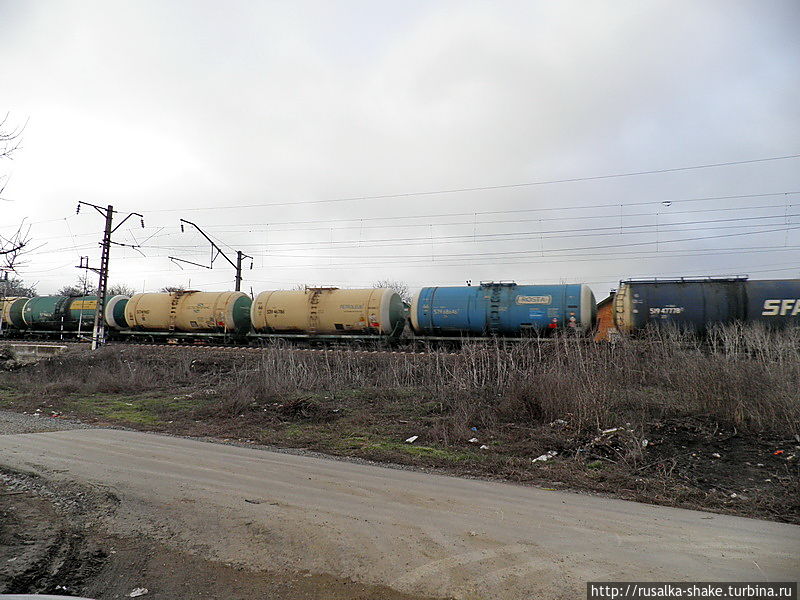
point(612, 430)
point(473, 428)
point(412, 439)
point(645, 443)
point(545, 457)
point(777, 453)
point(484, 447)
point(716, 455)
point(138, 592)
point(473, 440)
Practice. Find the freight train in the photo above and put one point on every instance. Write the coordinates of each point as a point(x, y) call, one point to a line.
point(693, 304)
point(490, 310)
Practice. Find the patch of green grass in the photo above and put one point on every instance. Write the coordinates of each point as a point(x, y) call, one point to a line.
point(10, 397)
point(353, 442)
point(294, 430)
point(427, 452)
point(142, 410)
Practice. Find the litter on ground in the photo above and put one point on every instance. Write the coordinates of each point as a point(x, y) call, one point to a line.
point(545, 457)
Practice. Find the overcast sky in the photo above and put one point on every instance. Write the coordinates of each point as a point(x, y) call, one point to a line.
point(256, 119)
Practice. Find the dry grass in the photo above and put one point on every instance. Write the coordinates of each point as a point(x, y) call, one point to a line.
point(746, 377)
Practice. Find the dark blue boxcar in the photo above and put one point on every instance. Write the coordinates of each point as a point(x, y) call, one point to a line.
point(775, 302)
point(696, 303)
point(505, 309)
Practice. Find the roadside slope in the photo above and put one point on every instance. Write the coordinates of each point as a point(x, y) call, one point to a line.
point(418, 533)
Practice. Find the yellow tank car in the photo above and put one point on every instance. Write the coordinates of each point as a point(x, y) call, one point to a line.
point(189, 311)
point(11, 311)
point(328, 311)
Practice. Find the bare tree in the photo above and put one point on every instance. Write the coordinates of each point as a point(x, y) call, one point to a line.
point(85, 286)
point(397, 286)
point(10, 137)
point(82, 287)
point(120, 289)
point(168, 289)
point(10, 141)
point(11, 247)
point(14, 286)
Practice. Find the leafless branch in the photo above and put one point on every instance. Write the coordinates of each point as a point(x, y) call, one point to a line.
point(14, 247)
point(10, 137)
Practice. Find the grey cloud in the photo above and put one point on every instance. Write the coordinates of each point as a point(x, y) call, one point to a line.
point(155, 105)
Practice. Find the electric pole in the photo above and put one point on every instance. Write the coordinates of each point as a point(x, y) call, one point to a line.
point(84, 264)
point(215, 252)
point(4, 281)
point(99, 330)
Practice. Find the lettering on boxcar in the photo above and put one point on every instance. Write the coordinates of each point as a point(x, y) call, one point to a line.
point(666, 310)
point(781, 307)
point(534, 299)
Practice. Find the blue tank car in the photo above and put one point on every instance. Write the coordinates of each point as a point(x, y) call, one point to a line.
point(695, 304)
point(502, 309)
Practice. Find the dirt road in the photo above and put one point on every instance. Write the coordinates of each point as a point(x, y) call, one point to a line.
point(418, 533)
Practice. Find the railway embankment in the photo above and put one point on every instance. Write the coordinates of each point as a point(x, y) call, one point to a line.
point(711, 425)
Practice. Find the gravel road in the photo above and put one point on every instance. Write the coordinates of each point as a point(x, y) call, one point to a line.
point(418, 533)
point(12, 422)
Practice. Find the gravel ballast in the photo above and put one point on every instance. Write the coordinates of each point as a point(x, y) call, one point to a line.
point(12, 422)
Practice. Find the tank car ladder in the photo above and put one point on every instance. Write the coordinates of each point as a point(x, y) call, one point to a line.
point(313, 316)
point(173, 309)
point(494, 311)
point(495, 299)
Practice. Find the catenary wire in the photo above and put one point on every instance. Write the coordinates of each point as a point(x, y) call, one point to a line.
point(487, 187)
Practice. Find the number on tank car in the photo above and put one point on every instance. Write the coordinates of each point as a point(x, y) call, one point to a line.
point(446, 311)
point(275, 311)
point(534, 299)
point(666, 310)
point(781, 307)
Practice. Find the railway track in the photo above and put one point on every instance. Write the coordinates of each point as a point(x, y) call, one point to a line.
point(407, 350)
point(256, 349)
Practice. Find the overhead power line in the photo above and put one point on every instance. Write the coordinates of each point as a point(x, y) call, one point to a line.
point(488, 187)
point(511, 235)
point(470, 255)
point(524, 260)
point(357, 223)
point(561, 209)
